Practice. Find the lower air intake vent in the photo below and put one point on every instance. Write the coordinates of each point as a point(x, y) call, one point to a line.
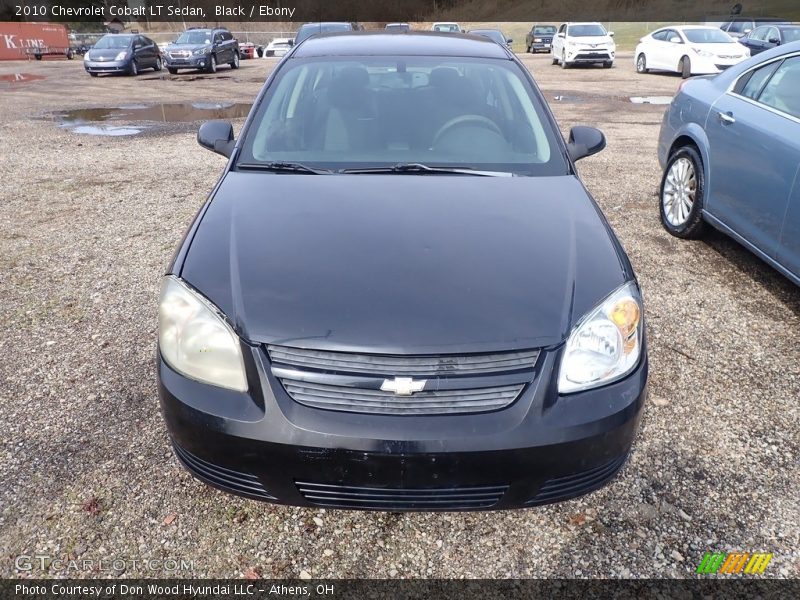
point(371, 498)
point(227, 479)
point(570, 486)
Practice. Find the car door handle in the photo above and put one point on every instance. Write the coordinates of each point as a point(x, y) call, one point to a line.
point(726, 118)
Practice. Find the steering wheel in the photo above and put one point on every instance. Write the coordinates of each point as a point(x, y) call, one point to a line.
point(466, 120)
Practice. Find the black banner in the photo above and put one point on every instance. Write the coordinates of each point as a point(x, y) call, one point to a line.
point(381, 589)
point(224, 11)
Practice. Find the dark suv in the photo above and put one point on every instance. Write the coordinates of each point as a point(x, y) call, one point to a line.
point(203, 49)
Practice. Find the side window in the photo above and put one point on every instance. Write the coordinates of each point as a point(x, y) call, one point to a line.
point(772, 34)
point(660, 35)
point(217, 38)
point(781, 90)
point(226, 36)
point(750, 84)
point(738, 27)
point(669, 34)
point(758, 34)
point(563, 28)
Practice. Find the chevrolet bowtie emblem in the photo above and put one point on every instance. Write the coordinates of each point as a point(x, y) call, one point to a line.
point(403, 386)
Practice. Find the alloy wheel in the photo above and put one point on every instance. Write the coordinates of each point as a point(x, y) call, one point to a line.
point(680, 192)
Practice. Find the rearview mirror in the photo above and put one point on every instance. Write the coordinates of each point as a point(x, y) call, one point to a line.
point(585, 141)
point(216, 136)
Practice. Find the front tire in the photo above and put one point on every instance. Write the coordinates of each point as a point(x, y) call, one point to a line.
point(212, 64)
point(172, 71)
point(235, 62)
point(564, 63)
point(681, 194)
point(133, 70)
point(641, 64)
point(555, 59)
point(158, 65)
point(685, 67)
point(92, 74)
point(608, 64)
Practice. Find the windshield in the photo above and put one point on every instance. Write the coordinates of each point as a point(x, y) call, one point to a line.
point(343, 113)
point(113, 41)
point(711, 35)
point(492, 34)
point(544, 30)
point(309, 29)
point(448, 27)
point(791, 34)
point(590, 30)
point(194, 37)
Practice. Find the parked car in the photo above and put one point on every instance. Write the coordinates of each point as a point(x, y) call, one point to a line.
point(122, 53)
point(414, 304)
point(766, 37)
point(730, 148)
point(278, 47)
point(688, 50)
point(447, 28)
point(583, 43)
point(204, 49)
point(739, 26)
point(493, 34)
point(247, 50)
point(310, 29)
point(397, 27)
point(540, 38)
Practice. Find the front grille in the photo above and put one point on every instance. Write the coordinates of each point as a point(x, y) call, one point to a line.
point(577, 484)
point(180, 54)
point(244, 484)
point(396, 365)
point(373, 498)
point(348, 399)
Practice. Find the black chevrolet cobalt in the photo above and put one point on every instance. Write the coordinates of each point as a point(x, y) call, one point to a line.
point(399, 295)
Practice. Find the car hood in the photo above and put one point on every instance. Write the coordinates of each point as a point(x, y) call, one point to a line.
point(106, 53)
point(189, 47)
point(403, 263)
point(724, 49)
point(592, 39)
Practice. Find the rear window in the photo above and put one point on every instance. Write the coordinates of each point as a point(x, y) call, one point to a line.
point(355, 112)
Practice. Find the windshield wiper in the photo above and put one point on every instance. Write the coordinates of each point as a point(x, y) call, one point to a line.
point(284, 167)
point(420, 169)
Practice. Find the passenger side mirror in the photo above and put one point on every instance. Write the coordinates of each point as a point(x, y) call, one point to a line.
point(774, 41)
point(561, 34)
point(509, 41)
point(585, 141)
point(291, 42)
point(610, 34)
point(216, 136)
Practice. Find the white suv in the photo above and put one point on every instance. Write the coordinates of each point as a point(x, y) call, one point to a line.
point(583, 43)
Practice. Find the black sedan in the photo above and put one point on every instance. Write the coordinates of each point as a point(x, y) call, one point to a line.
point(399, 295)
point(122, 53)
point(767, 37)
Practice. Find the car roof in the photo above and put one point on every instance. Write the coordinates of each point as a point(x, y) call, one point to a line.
point(411, 43)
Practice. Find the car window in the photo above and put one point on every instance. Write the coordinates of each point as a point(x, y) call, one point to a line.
point(544, 30)
point(772, 34)
point(750, 84)
point(589, 30)
point(671, 33)
point(781, 91)
point(113, 41)
point(708, 35)
point(740, 26)
point(659, 35)
point(791, 34)
point(353, 112)
point(194, 37)
point(758, 34)
point(563, 28)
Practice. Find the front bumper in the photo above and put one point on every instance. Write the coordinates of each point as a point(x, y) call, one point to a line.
point(590, 56)
point(191, 62)
point(710, 65)
point(107, 66)
point(543, 448)
point(541, 46)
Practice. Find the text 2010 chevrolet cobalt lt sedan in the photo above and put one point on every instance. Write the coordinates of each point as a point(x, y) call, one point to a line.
point(399, 295)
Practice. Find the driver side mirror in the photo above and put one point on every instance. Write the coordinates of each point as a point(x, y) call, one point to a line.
point(561, 34)
point(675, 39)
point(585, 141)
point(216, 136)
point(291, 42)
point(774, 41)
point(509, 41)
point(610, 34)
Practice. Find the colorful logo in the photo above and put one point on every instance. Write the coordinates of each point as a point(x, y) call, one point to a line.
point(734, 563)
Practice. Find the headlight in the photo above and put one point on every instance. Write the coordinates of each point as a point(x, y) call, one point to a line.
point(196, 340)
point(122, 55)
point(703, 53)
point(201, 51)
point(605, 345)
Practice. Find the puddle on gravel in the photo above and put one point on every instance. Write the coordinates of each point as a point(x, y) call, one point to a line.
point(651, 99)
point(91, 121)
point(19, 78)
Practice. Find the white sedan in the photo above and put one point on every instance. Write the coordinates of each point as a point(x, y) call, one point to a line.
point(278, 47)
point(688, 50)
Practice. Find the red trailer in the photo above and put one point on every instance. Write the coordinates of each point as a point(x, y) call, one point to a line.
point(33, 40)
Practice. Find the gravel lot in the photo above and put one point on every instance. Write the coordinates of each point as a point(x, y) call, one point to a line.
point(87, 225)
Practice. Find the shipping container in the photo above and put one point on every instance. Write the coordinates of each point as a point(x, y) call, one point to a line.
point(20, 41)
